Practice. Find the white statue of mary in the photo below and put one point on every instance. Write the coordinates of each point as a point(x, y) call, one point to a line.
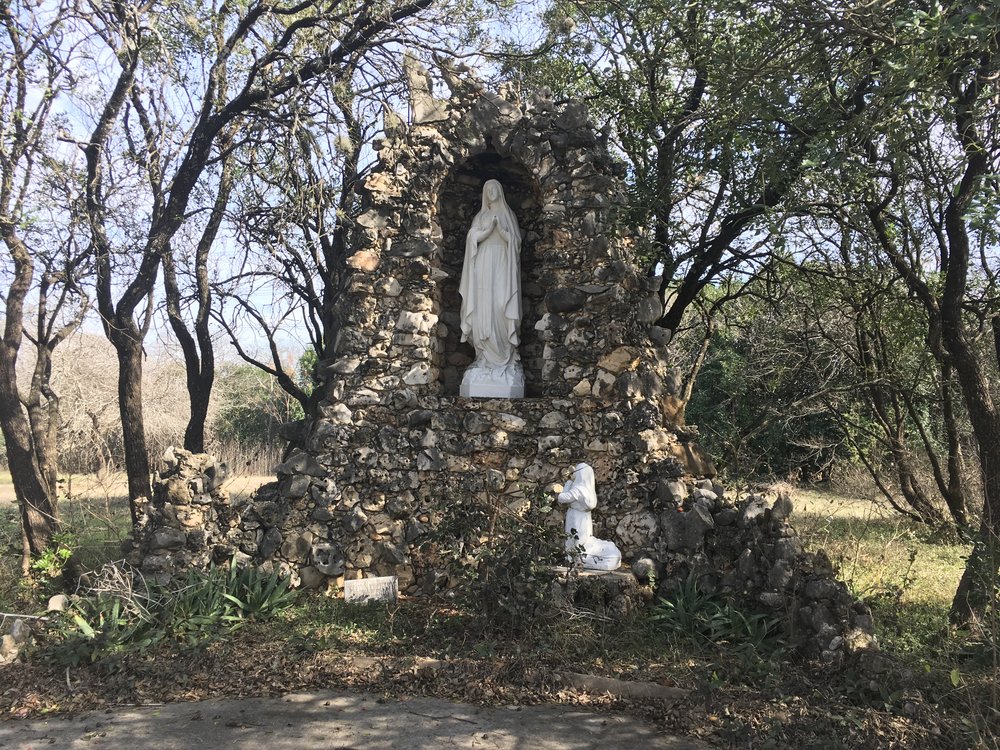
point(491, 299)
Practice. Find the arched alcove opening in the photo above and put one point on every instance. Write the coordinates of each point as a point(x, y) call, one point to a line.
point(458, 201)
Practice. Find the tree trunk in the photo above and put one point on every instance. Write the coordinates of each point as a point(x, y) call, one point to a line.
point(137, 465)
point(199, 394)
point(955, 495)
point(979, 582)
point(199, 360)
point(38, 513)
point(31, 488)
point(43, 418)
point(913, 491)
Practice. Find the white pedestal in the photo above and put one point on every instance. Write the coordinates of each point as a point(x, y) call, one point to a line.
point(491, 390)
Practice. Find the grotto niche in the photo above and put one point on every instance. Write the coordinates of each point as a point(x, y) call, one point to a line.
point(457, 203)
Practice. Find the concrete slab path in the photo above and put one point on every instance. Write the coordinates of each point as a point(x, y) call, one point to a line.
point(339, 721)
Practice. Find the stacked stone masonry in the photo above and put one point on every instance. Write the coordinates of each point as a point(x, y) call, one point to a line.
point(364, 479)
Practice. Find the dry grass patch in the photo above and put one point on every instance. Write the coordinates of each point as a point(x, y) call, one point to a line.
point(877, 551)
point(6, 488)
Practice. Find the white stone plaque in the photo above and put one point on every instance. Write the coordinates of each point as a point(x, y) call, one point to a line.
point(378, 589)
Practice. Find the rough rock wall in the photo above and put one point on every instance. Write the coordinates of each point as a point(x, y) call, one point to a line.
point(189, 523)
point(747, 551)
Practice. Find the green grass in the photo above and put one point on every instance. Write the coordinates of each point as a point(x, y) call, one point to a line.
point(878, 552)
point(96, 520)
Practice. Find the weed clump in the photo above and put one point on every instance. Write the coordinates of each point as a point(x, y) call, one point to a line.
point(497, 558)
point(704, 620)
point(123, 612)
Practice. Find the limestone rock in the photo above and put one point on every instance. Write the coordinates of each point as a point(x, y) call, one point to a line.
point(20, 632)
point(619, 359)
point(328, 559)
point(637, 530)
point(565, 300)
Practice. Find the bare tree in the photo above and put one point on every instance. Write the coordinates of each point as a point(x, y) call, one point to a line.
point(256, 58)
point(45, 255)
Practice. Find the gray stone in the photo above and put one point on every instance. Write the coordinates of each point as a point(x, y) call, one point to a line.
point(750, 512)
point(782, 508)
point(565, 300)
point(216, 473)
point(8, 648)
point(420, 417)
point(310, 577)
point(822, 588)
point(772, 600)
point(475, 424)
point(644, 569)
point(650, 310)
point(345, 365)
point(301, 462)
point(726, 517)
point(431, 459)
point(671, 491)
point(297, 548)
point(167, 538)
point(414, 530)
point(746, 564)
point(400, 506)
point(328, 559)
point(270, 543)
point(685, 530)
point(788, 548)
point(57, 603)
point(355, 519)
point(419, 374)
point(321, 514)
point(20, 632)
point(393, 553)
point(637, 530)
point(269, 513)
point(780, 575)
point(703, 494)
point(294, 486)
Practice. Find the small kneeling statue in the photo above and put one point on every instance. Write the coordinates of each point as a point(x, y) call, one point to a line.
point(581, 544)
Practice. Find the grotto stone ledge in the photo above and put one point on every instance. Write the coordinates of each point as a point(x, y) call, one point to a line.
point(686, 528)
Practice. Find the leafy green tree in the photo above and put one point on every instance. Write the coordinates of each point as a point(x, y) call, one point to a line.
point(921, 190)
point(719, 107)
point(737, 118)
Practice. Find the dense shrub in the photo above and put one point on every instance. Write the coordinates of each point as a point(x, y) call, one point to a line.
point(498, 556)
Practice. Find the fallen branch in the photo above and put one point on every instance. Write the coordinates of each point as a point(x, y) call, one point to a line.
point(5, 615)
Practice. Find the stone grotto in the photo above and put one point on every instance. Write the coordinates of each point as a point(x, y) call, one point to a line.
point(362, 482)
